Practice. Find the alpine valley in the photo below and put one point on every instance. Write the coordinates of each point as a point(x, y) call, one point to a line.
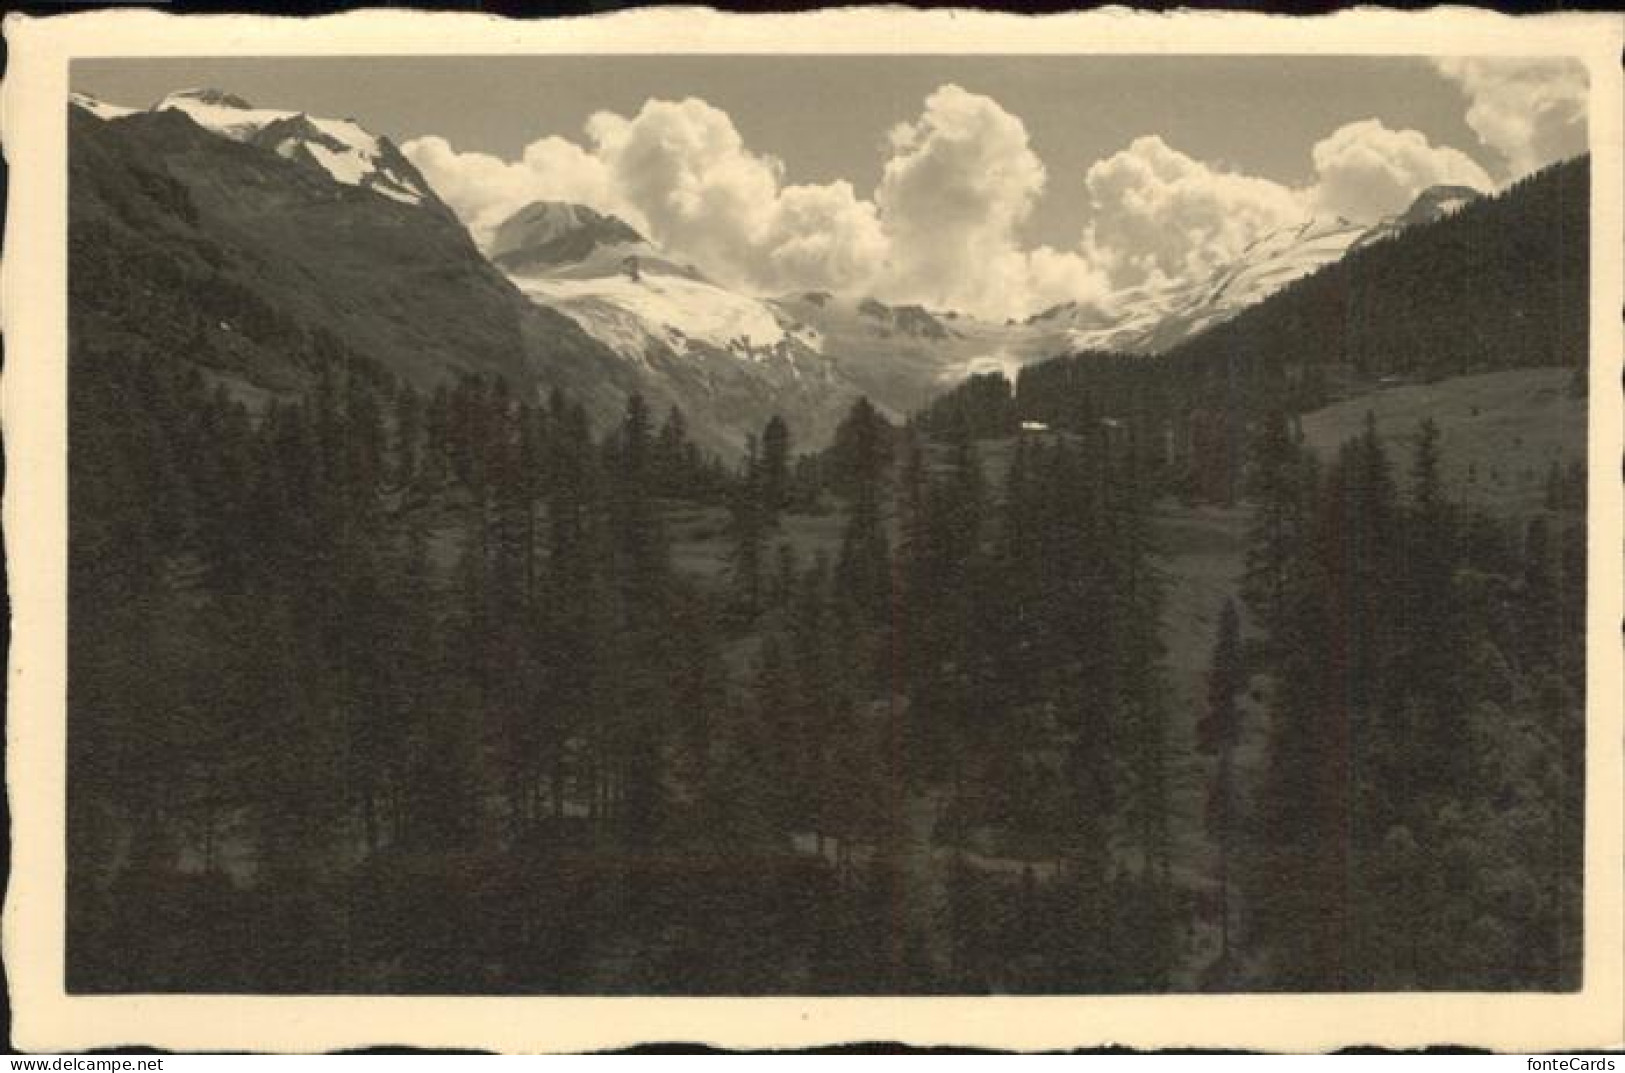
point(536, 614)
point(263, 238)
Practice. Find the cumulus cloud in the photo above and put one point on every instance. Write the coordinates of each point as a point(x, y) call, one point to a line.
point(944, 225)
point(821, 238)
point(680, 172)
point(1530, 111)
point(1156, 213)
point(1048, 277)
point(484, 190)
point(958, 183)
point(685, 166)
point(941, 228)
point(1365, 171)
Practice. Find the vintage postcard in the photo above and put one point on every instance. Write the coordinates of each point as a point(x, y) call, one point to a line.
point(871, 525)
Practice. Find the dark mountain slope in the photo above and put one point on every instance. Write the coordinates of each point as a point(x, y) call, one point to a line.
point(257, 267)
point(1500, 283)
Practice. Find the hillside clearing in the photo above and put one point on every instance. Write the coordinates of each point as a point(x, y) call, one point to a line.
point(1500, 432)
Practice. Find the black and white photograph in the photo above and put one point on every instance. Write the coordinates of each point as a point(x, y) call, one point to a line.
point(820, 525)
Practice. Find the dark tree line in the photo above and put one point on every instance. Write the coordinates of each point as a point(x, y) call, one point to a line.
point(365, 642)
point(1039, 694)
point(1420, 822)
point(1424, 707)
point(377, 688)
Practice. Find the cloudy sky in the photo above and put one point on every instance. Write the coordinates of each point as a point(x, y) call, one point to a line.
point(996, 185)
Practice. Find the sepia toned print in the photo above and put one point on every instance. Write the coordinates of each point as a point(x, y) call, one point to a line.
point(819, 526)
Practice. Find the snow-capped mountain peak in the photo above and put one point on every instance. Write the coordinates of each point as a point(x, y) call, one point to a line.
point(558, 232)
point(99, 108)
point(728, 359)
point(208, 98)
point(596, 269)
point(347, 152)
point(341, 148)
point(629, 312)
point(1159, 314)
point(1437, 202)
point(223, 113)
point(1434, 203)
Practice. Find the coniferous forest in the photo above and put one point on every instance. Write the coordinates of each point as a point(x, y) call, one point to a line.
point(378, 688)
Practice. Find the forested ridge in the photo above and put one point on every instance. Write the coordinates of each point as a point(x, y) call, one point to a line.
point(382, 689)
point(1502, 283)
